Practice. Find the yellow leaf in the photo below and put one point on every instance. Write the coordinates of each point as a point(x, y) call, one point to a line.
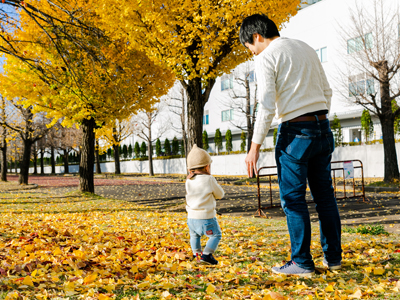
point(69, 286)
point(329, 288)
point(134, 269)
point(57, 251)
point(27, 281)
point(380, 289)
point(34, 273)
point(357, 295)
point(143, 285)
point(165, 294)
point(379, 271)
point(90, 278)
point(210, 289)
point(274, 296)
point(103, 297)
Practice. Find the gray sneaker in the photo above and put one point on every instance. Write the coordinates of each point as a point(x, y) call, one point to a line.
point(336, 266)
point(292, 269)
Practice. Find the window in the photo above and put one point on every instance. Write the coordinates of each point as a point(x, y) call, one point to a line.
point(358, 85)
point(227, 115)
point(357, 44)
point(322, 54)
point(226, 82)
point(251, 109)
point(251, 76)
point(205, 117)
point(370, 86)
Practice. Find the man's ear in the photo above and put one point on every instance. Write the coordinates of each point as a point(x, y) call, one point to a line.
point(258, 37)
point(255, 37)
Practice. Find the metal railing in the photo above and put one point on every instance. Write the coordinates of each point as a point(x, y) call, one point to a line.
point(260, 209)
point(362, 195)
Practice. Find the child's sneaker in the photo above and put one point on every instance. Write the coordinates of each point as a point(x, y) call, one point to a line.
point(331, 267)
point(291, 268)
point(208, 259)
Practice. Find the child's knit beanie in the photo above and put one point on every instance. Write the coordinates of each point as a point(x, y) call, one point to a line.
point(198, 158)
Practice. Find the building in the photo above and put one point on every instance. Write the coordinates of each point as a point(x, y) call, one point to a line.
point(325, 26)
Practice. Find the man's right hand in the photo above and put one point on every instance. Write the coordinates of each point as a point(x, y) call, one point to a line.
point(252, 158)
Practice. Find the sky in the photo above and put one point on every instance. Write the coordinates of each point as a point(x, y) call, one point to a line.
point(4, 8)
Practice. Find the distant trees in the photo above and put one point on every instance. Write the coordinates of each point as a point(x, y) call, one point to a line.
point(228, 141)
point(337, 131)
point(367, 126)
point(218, 140)
point(205, 140)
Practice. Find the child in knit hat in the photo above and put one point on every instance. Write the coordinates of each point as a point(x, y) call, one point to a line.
point(201, 192)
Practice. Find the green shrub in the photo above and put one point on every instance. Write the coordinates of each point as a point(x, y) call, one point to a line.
point(366, 229)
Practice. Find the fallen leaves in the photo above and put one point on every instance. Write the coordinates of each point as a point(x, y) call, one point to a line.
point(117, 249)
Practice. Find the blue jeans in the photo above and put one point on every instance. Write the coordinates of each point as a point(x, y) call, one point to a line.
point(303, 152)
point(207, 227)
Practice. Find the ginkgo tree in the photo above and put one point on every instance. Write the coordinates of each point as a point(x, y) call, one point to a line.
point(82, 75)
point(196, 39)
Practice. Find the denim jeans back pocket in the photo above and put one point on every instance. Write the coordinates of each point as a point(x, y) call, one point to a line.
point(209, 229)
point(299, 146)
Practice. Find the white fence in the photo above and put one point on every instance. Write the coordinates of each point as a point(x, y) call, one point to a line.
point(370, 155)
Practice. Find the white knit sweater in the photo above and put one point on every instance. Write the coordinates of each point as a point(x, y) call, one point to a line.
point(290, 81)
point(201, 192)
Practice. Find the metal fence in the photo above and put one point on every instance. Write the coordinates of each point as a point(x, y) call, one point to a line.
point(334, 169)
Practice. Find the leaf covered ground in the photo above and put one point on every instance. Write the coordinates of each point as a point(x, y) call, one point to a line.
point(85, 247)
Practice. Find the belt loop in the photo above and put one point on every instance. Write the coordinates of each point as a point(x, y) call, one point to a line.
point(316, 118)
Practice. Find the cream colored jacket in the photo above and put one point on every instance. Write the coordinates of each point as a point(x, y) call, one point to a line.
point(201, 192)
point(290, 83)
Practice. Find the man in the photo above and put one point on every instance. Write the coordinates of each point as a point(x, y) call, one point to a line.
point(291, 80)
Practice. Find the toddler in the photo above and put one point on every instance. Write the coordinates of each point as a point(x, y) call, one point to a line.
point(201, 191)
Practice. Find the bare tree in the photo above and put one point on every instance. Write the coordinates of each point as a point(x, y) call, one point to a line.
point(373, 60)
point(52, 143)
point(243, 101)
point(67, 141)
point(177, 105)
point(144, 129)
point(114, 135)
point(26, 124)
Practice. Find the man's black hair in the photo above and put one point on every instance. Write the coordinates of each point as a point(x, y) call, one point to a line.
point(257, 23)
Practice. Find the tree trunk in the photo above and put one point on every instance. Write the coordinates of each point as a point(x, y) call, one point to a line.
point(4, 161)
point(65, 160)
point(116, 159)
point(34, 159)
point(98, 167)
point(387, 122)
point(42, 161)
point(389, 149)
point(52, 160)
point(24, 165)
point(150, 146)
point(86, 165)
point(195, 109)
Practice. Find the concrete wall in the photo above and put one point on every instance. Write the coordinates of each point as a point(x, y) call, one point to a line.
point(370, 155)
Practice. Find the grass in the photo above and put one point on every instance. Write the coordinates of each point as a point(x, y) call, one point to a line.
point(109, 237)
point(366, 229)
point(384, 184)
